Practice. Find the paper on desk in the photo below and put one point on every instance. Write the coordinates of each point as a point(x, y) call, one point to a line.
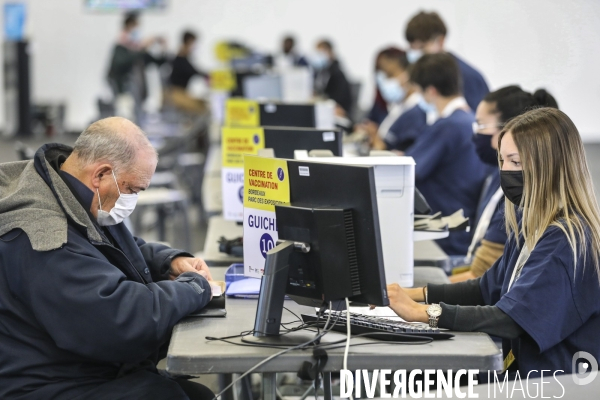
point(381, 312)
point(216, 290)
point(244, 287)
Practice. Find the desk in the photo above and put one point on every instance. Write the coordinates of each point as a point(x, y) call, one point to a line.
point(212, 198)
point(217, 227)
point(427, 253)
point(189, 353)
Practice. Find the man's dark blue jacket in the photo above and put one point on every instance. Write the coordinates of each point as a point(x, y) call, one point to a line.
point(77, 309)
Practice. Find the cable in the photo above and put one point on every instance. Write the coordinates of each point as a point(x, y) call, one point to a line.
point(347, 349)
point(307, 392)
point(266, 360)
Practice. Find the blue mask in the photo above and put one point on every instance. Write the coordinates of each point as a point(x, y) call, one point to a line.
point(428, 108)
point(390, 88)
point(319, 60)
point(413, 55)
point(134, 35)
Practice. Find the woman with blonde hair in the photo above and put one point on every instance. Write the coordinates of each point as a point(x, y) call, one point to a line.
point(542, 297)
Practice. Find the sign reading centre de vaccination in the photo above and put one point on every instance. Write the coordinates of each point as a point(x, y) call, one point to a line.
point(235, 143)
point(266, 183)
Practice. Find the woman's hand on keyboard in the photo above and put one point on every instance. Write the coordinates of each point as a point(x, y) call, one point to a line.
point(404, 306)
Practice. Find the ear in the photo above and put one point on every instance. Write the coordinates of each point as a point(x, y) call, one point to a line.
point(100, 172)
point(441, 41)
point(432, 91)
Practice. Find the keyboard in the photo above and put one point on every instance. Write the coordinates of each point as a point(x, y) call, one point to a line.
point(378, 328)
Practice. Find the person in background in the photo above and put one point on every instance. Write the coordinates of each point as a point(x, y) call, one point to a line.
point(402, 124)
point(330, 80)
point(379, 109)
point(496, 109)
point(289, 57)
point(542, 297)
point(181, 73)
point(448, 171)
point(426, 33)
point(131, 55)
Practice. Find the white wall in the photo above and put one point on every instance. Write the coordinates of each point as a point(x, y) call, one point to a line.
point(550, 43)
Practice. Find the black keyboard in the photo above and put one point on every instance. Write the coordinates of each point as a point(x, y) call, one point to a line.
point(378, 328)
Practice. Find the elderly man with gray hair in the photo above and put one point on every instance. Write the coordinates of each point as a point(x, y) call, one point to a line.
point(86, 309)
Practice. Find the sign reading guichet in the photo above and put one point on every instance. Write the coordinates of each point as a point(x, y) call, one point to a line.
point(235, 144)
point(266, 184)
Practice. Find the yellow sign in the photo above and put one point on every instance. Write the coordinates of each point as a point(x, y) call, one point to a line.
point(223, 79)
point(242, 112)
point(236, 142)
point(266, 183)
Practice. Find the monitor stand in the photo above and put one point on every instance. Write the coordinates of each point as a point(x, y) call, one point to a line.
point(272, 294)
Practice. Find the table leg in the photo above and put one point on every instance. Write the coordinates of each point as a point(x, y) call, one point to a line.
point(269, 385)
point(328, 395)
point(246, 388)
point(224, 381)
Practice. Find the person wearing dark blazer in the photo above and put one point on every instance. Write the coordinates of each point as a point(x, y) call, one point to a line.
point(330, 80)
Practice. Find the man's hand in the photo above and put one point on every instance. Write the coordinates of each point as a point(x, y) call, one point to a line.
point(179, 265)
point(408, 309)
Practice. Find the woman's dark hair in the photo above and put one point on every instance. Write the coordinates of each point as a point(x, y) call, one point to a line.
point(395, 54)
point(392, 53)
point(437, 70)
point(510, 101)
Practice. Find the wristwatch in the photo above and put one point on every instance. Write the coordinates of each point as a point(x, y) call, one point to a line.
point(434, 311)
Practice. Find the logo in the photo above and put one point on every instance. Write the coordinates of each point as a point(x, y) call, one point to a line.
point(255, 139)
point(266, 244)
point(585, 368)
point(241, 194)
point(280, 174)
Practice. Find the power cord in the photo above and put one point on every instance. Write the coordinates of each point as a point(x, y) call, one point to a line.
point(347, 349)
point(266, 360)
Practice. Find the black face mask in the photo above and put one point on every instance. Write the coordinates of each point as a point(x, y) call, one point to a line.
point(512, 185)
point(485, 151)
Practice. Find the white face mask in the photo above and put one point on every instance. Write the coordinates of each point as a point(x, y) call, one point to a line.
point(413, 55)
point(123, 207)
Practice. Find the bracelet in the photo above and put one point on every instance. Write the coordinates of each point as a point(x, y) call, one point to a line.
point(425, 294)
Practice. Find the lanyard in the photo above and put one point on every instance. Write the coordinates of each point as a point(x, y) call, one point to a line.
point(523, 257)
point(484, 221)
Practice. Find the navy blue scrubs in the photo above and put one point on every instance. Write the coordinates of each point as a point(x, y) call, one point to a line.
point(405, 130)
point(496, 231)
point(449, 173)
point(557, 305)
point(474, 86)
point(377, 113)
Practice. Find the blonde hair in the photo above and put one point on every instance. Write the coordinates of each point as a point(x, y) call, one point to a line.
point(558, 189)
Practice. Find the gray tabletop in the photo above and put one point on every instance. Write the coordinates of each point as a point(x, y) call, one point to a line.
point(212, 198)
point(427, 253)
point(190, 353)
point(217, 227)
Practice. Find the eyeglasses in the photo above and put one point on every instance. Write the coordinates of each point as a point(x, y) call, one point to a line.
point(479, 127)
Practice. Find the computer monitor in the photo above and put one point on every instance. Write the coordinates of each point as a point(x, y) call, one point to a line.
point(329, 245)
point(284, 141)
point(263, 87)
point(394, 185)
